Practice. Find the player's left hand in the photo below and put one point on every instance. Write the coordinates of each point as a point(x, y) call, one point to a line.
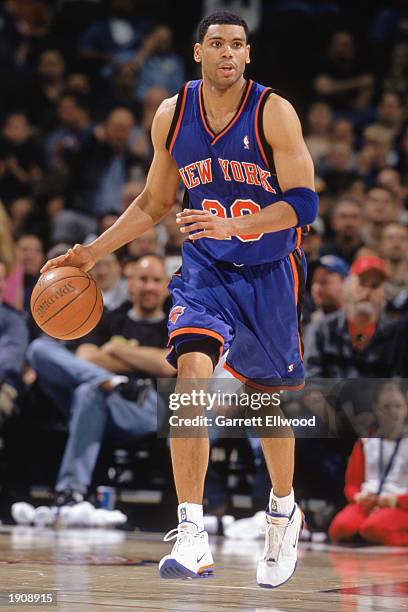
point(204, 225)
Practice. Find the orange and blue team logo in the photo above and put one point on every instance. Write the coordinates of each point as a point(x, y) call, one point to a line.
point(175, 313)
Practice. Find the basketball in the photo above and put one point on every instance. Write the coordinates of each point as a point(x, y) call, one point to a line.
point(66, 303)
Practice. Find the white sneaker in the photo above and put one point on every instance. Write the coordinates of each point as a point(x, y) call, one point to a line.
point(191, 555)
point(279, 559)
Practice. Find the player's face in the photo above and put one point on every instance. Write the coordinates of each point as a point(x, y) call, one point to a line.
point(223, 54)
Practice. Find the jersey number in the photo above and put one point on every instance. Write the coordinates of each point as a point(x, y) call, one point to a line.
point(238, 208)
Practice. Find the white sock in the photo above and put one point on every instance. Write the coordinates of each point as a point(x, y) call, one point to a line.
point(192, 513)
point(281, 505)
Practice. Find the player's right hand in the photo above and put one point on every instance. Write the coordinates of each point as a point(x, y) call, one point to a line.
point(79, 257)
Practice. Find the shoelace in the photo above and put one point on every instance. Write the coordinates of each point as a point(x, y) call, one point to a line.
point(182, 537)
point(275, 530)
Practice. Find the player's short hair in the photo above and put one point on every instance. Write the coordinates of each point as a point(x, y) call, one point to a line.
point(220, 18)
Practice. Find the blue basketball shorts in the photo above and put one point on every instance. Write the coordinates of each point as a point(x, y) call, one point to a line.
point(253, 311)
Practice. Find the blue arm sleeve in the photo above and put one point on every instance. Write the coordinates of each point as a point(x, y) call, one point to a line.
point(304, 202)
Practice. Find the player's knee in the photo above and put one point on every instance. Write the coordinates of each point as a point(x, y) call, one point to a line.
point(194, 365)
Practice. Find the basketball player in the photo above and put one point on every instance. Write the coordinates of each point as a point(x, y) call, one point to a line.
point(243, 270)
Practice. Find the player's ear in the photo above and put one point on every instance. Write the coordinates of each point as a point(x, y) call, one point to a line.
point(248, 57)
point(197, 53)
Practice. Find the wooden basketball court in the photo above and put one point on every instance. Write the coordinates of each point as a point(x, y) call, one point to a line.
point(91, 570)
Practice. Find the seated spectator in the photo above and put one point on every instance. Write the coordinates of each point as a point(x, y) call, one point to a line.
point(131, 190)
point(13, 344)
point(394, 250)
point(390, 113)
point(326, 291)
point(20, 158)
point(337, 168)
point(380, 208)
point(163, 68)
point(391, 178)
point(375, 153)
point(116, 39)
point(74, 125)
point(108, 385)
point(317, 132)
point(47, 89)
point(343, 82)
point(20, 211)
point(147, 243)
point(352, 342)
point(108, 275)
point(30, 254)
point(98, 171)
point(376, 481)
point(342, 130)
point(120, 91)
point(142, 144)
point(312, 241)
point(13, 291)
point(347, 224)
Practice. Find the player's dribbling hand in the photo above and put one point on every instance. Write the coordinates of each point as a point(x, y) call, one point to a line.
point(204, 224)
point(79, 257)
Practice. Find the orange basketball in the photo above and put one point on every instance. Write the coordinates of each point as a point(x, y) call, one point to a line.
point(66, 303)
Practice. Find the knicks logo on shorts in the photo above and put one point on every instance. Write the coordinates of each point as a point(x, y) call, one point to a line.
point(175, 313)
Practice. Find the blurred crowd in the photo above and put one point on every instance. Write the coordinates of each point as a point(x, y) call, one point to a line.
point(81, 83)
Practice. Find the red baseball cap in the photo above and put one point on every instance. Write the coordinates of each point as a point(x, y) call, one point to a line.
point(368, 262)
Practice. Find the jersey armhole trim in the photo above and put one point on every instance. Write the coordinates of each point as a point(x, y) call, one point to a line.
point(264, 146)
point(178, 115)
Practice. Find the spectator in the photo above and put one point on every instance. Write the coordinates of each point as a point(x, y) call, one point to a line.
point(391, 178)
point(120, 92)
point(380, 208)
point(142, 145)
point(98, 171)
point(131, 190)
point(317, 134)
point(13, 291)
point(48, 89)
point(145, 244)
point(174, 238)
point(351, 342)
point(390, 113)
point(108, 275)
point(20, 211)
point(376, 482)
point(342, 130)
point(343, 81)
point(20, 158)
point(347, 224)
point(74, 126)
point(394, 250)
point(163, 68)
point(13, 344)
point(119, 38)
point(30, 254)
point(337, 168)
point(312, 241)
point(328, 277)
point(128, 345)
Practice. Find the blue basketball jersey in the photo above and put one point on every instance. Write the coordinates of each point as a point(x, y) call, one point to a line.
point(229, 173)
